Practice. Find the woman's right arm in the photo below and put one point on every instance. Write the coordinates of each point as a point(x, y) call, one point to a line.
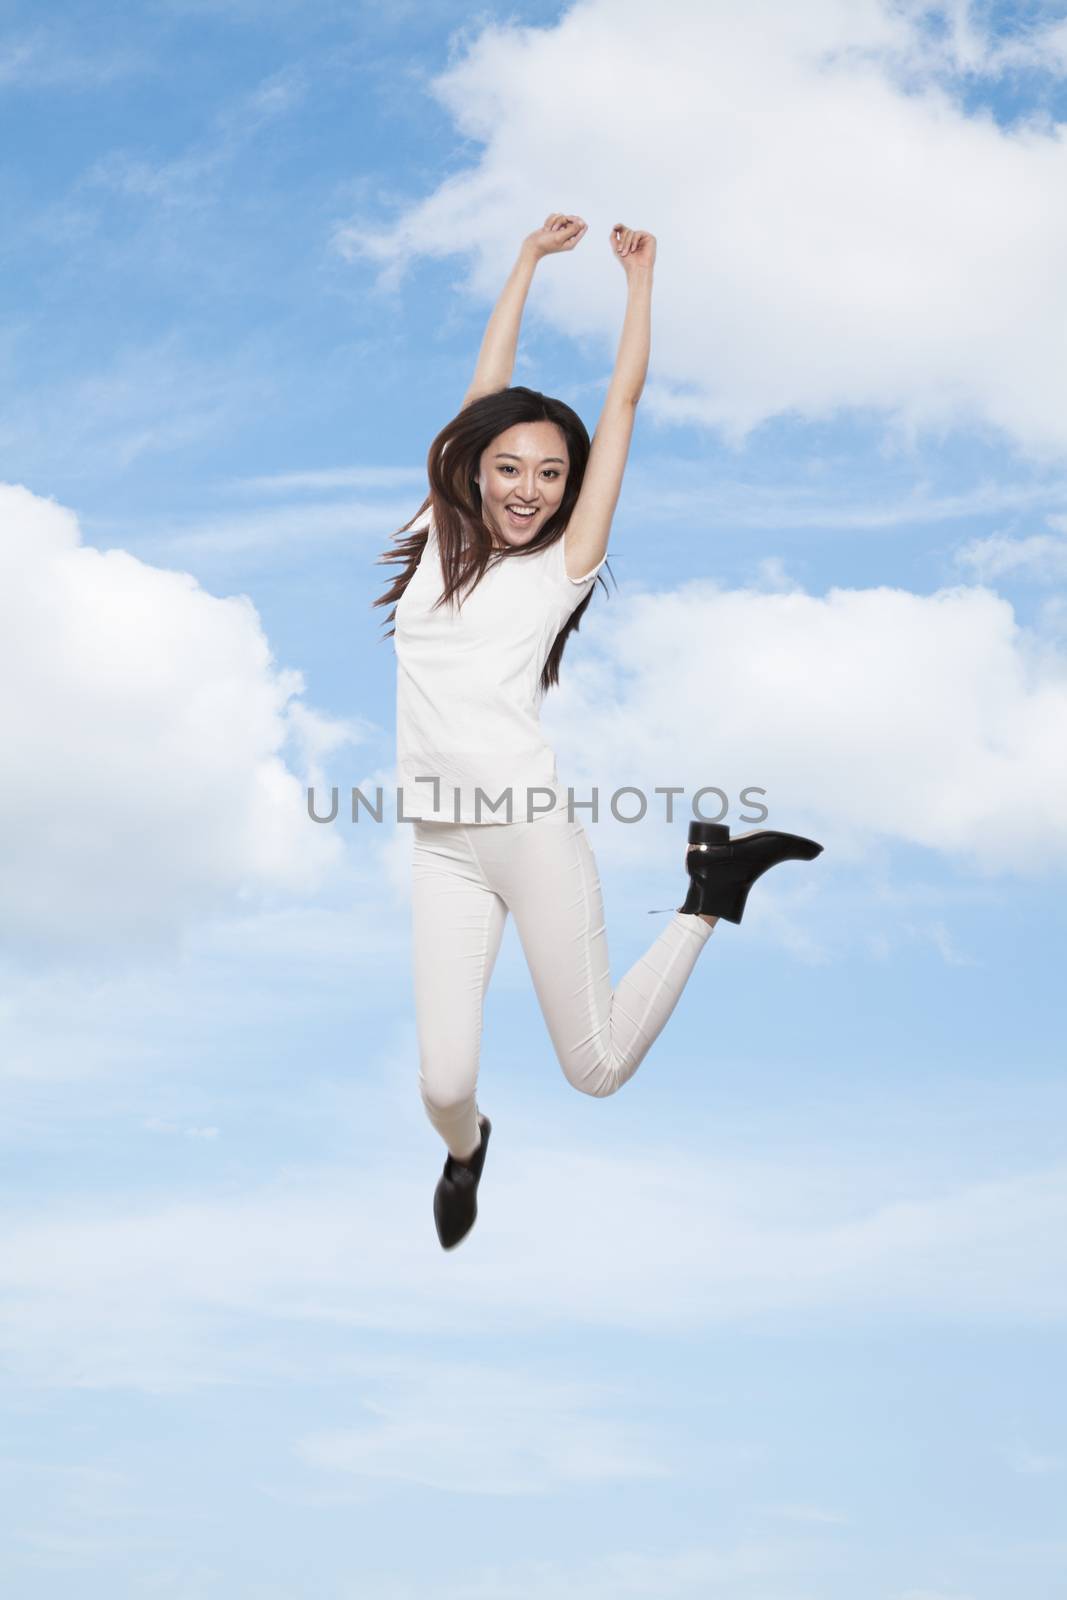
point(496, 358)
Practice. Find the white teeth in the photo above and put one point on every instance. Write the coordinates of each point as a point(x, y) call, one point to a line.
point(517, 513)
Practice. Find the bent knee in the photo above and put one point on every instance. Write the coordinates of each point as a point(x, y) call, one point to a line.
point(600, 1079)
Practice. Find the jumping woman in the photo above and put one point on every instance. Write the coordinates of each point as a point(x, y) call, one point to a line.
point(499, 566)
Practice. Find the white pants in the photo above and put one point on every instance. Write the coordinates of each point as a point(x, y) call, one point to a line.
point(466, 877)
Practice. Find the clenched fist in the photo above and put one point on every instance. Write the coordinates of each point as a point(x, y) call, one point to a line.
point(560, 232)
point(633, 246)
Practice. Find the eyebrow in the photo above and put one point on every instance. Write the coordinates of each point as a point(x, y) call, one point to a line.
point(508, 454)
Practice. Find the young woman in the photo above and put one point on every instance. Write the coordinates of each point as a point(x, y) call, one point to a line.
point(499, 566)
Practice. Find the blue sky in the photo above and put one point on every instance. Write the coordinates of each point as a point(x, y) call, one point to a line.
point(783, 1319)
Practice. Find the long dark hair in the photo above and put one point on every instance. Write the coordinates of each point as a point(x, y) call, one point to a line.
point(465, 541)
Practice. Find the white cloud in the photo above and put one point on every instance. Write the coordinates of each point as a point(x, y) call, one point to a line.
point(145, 1295)
point(157, 706)
point(145, 737)
point(1042, 556)
point(866, 714)
point(836, 229)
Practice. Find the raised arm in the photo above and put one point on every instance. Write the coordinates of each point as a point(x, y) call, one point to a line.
point(586, 539)
point(496, 358)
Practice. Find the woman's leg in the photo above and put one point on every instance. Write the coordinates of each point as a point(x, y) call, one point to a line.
point(547, 876)
point(457, 925)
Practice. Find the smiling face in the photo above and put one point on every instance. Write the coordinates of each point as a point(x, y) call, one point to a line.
point(522, 474)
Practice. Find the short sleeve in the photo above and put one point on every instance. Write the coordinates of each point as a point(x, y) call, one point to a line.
point(571, 586)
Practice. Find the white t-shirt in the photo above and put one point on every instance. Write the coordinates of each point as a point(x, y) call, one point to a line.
point(468, 696)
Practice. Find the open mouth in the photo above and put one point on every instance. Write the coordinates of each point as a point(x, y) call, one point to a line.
point(519, 517)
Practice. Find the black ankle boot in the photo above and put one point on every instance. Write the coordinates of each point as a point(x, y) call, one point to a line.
point(455, 1201)
point(722, 870)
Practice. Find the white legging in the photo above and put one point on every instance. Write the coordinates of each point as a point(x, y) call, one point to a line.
point(466, 877)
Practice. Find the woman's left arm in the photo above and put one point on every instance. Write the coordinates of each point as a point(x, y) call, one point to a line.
point(496, 358)
point(586, 538)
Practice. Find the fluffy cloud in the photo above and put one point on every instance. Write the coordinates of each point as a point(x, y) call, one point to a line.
point(145, 731)
point(837, 228)
point(870, 714)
